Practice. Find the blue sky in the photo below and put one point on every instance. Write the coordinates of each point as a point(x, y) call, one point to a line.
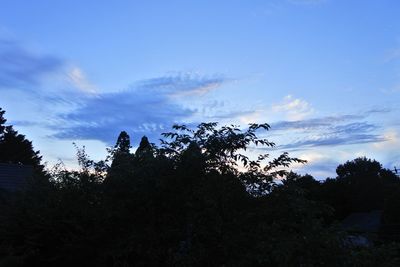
point(324, 73)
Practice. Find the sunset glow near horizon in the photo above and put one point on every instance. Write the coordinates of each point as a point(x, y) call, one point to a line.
point(325, 74)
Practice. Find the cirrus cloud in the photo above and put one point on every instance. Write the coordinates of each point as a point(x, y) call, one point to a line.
point(148, 107)
point(21, 68)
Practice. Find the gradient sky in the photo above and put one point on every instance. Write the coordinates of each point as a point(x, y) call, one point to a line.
point(324, 73)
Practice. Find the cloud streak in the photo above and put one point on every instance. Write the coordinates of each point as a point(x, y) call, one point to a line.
point(182, 84)
point(329, 134)
point(148, 107)
point(21, 68)
point(315, 123)
point(334, 140)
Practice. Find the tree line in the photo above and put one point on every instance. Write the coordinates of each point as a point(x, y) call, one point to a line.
point(195, 200)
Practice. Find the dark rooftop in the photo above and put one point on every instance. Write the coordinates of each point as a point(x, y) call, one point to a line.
point(13, 177)
point(363, 221)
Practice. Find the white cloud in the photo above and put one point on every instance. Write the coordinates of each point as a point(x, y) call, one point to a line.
point(78, 79)
point(392, 141)
point(252, 117)
point(313, 157)
point(294, 108)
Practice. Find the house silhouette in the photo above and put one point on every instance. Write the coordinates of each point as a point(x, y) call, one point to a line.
point(14, 177)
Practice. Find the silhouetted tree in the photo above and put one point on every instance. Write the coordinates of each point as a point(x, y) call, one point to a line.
point(306, 182)
point(199, 200)
point(359, 170)
point(361, 185)
point(120, 154)
point(223, 149)
point(2, 121)
point(145, 149)
point(14, 147)
point(123, 143)
point(364, 180)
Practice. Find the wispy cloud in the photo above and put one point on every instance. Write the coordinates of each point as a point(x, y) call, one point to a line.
point(241, 115)
point(327, 122)
point(378, 110)
point(341, 129)
point(21, 68)
point(294, 108)
point(78, 79)
point(145, 108)
point(334, 135)
point(315, 123)
point(149, 106)
point(335, 140)
point(182, 84)
point(393, 141)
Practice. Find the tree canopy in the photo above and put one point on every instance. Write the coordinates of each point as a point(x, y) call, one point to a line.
point(14, 147)
point(196, 200)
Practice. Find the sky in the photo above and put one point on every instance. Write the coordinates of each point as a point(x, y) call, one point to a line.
point(325, 74)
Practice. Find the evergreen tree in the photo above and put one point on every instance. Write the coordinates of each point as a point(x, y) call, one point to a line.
point(145, 150)
point(121, 164)
point(123, 143)
point(121, 154)
point(14, 147)
point(2, 121)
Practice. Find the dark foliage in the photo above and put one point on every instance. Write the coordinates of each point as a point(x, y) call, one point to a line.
point(361, 185)
point(187, 204)
point(14, 147)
